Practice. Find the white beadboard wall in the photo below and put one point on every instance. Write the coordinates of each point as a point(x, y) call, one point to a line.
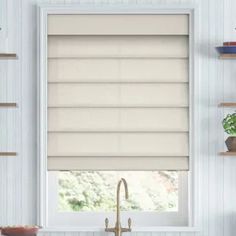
point(217, 177)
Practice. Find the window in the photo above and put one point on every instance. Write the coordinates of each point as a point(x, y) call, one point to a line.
point(117, 105)
point(156, 198)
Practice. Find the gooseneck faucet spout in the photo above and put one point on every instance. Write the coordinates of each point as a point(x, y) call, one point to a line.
point(118, 230)
point(118, 198)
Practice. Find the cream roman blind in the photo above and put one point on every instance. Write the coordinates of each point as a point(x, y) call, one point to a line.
point(118, 92)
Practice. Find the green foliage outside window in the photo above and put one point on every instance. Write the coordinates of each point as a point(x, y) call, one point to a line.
point(96, 190)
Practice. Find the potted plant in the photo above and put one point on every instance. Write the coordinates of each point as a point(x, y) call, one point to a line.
point(229, 124)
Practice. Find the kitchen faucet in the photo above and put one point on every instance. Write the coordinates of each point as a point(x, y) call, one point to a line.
point(118, 230)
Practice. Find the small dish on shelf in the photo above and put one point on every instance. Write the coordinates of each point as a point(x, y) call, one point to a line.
point(232, 43)
point(19, 230)
point(226, 49)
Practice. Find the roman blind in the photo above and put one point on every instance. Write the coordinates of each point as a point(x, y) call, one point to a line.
point(118, 92)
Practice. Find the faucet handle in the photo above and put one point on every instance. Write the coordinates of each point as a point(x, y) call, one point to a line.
point(106, 222)
point(129, 223)
point(129, 227)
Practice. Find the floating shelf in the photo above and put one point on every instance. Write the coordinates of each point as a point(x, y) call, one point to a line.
point(227, 104)
point(8, 104)
point(8, 154)
point(228, 56)
point(228, 153)
point(8, 56)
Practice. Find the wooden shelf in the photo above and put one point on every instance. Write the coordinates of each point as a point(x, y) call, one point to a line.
point(228, 153)
point(8, 56)
point(228, 56)
point(8, 104)
point(7, 154)
point(227, 104)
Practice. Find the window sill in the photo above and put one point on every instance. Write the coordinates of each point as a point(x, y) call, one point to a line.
point(134, 229)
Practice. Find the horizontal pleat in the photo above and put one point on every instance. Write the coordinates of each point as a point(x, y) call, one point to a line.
point(118, 24)
point(118, 163)
point(72, 95)
point(117, 119)
point(117, 46)
point(118, 144)
point(117, 70)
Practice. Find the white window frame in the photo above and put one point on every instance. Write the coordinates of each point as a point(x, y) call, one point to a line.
point(96, 220)
point(194, 124)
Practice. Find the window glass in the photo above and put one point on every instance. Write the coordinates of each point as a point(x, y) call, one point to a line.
point(96, 190)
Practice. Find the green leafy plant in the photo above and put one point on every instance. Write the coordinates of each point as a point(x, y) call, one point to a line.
point(229, 124)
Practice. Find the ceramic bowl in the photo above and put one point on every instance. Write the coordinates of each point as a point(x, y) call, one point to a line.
point(20, 230)
point(232, 43)
point(226, 49)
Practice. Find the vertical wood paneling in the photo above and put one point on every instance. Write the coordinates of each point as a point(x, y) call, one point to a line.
point(215, 95)
point(18, 127)
point(3, 30)
point(204, 116)
point(3, 115)
point(9, 181)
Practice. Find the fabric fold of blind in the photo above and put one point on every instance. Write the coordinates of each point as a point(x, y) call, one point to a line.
point(118, 93)
point(129, 24)
point(118, 163)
